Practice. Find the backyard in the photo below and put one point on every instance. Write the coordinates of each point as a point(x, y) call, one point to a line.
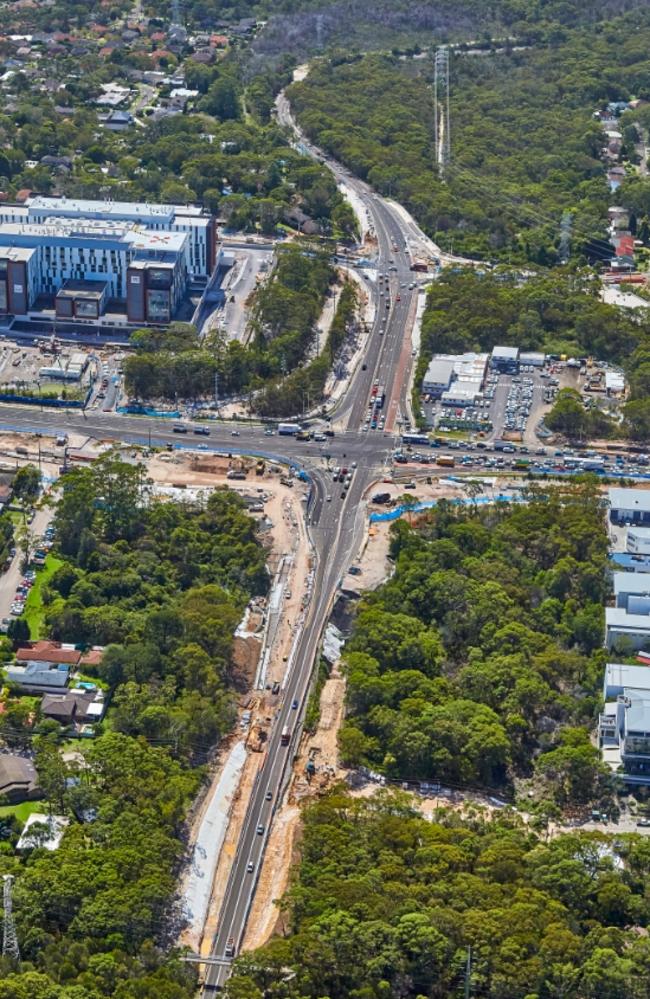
point(34, 612)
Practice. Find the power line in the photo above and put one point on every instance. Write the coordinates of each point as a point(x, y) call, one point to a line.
point(542, 218)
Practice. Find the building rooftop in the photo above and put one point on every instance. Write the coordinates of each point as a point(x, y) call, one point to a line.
point(116, 209)
point(618, 618)
point(439, 372)
point(85, 289)
point(18, 253)
point(631, 582)
point(463, 387)
point(17, 773)
point(123, 234)
point(55, 827)
point(637, 714)
point(630, 499)
point(625, 675)
point(48, 652)
point(507, 353)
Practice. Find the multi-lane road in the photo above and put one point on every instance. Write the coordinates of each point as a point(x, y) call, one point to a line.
point(336, 524)
point(335, 519)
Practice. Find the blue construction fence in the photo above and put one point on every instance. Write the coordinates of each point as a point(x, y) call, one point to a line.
point(397, 511)
point(28, 400)
point(134, 410)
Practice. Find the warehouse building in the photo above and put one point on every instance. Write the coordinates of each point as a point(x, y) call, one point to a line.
point(632, 591)
point(629, 506)
point(638, 540)
point(633, 628)
point(532, 359)
point(505, 360)
point(438, 377)
point(83, 258)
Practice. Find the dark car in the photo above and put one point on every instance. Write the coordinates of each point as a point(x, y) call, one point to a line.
point(204, 431)
point(294, 704)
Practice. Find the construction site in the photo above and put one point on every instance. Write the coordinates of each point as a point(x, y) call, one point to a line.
point(47, 370)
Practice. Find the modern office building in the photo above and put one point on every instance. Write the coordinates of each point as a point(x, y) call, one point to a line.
point(84, 258)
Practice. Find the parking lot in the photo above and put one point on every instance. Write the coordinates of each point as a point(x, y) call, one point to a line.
point(510, 405)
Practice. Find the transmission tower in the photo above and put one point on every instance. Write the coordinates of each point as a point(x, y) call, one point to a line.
point(565, 237)
point(9, 936)
point(177, 16)
point(441, 106)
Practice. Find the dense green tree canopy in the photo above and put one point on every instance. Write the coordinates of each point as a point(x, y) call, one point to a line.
point(163, 586)
point(480, 654)
point(386, 904)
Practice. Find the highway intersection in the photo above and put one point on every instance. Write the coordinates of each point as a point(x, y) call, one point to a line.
point(335, 519)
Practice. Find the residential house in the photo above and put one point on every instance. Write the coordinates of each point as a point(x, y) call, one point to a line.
point(179, 97)
point(117, 121)
point(77, 706)
point(296, 217)
point(44, 667)
point(18, 779)
point(205, 56)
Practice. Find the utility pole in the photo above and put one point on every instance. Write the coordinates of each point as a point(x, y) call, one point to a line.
point(441, 108)
point(9, 936)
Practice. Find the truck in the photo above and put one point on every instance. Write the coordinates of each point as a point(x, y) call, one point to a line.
point(303, 435)
point(289, 429)
point(286, 735)
point(381, 498)
point(230, 947)
point(447, 460)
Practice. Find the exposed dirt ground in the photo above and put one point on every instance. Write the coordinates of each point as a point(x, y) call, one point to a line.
point(282, 848)
point(290, 562)
point(229, 847)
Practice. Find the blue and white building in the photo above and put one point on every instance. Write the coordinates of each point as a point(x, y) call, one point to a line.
point(83, 255)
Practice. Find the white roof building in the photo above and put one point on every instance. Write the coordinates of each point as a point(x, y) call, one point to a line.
point(630, 504)
point(619, 624)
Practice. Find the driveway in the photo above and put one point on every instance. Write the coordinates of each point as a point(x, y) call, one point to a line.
point(10, 579)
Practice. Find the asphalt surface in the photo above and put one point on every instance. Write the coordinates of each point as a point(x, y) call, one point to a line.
point(336, 526)
point(335, 516)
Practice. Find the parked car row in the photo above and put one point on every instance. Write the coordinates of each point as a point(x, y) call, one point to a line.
point(518, 404)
